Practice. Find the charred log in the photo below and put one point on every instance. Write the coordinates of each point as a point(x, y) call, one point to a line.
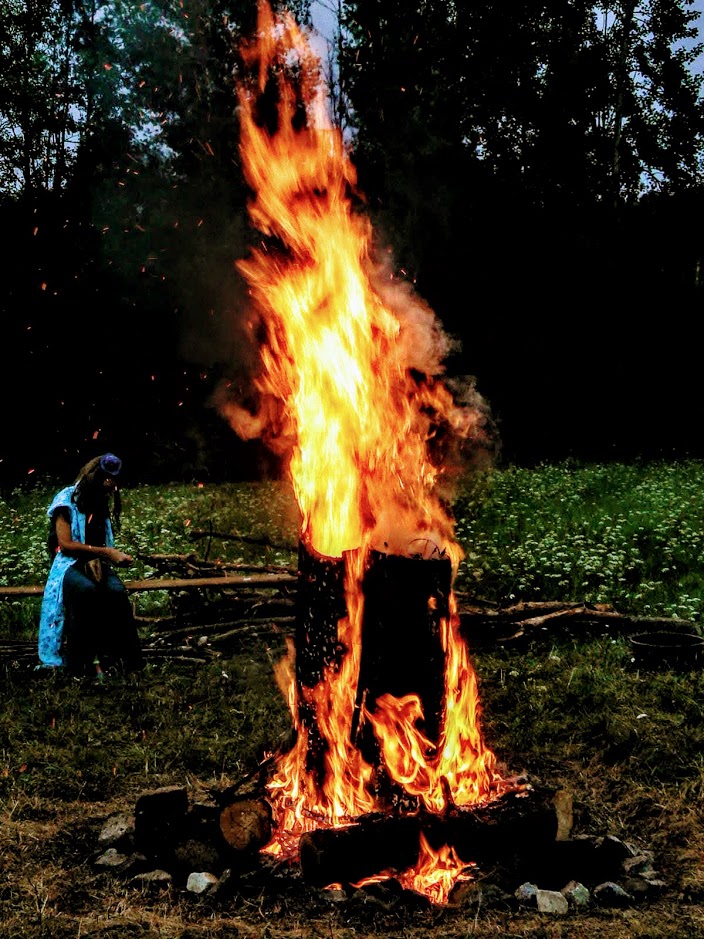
point(405, 600)
point(517, 827)
point(320, 606)
point(351, 854)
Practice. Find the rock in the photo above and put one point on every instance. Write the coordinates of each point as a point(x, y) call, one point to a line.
point(527, 894)
point(332, 895)
point(468, 893)
point(637, 887)
point(551, 901)
point(640, 864)
point(152, 880)
point(112, 859)
point(577, 895)
point(201, 882)
point(119, 863)
point(118, 832)
point(611, 895)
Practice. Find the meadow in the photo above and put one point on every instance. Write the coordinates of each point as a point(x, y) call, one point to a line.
point(566, 707)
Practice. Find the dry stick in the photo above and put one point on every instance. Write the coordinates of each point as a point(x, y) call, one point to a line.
point(590, 615)
point(192, 561)
point(233, 625)
point(246, 539)
point(241, 582)
point(176, 658)
point(252, 629)
point(234, 582)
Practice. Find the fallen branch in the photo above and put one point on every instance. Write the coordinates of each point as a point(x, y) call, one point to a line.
point(193, 562)
point(480, 625)
point(253, 628)
point(243, 581)
point(246, 539)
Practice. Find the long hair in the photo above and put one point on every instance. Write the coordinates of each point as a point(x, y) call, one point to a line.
point(91, 496)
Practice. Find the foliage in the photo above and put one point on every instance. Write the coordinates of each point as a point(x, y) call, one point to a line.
point(489, 144)
point(155, 520)
point(627, 534)
point(505, 156)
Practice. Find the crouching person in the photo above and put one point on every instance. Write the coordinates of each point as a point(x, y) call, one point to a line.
point(86, 623)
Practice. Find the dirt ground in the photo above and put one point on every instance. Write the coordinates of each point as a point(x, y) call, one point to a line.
point(50, 888)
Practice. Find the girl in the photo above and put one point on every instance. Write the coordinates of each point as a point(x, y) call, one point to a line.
point(86, 622)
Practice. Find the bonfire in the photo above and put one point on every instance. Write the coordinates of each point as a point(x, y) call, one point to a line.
point(352, 389)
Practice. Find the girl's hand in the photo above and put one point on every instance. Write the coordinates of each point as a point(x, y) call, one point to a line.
point(119, 558)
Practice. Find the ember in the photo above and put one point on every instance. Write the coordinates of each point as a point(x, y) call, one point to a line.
point(382, 694)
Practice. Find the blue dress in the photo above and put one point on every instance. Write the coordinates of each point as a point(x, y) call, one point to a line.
point(53, 615)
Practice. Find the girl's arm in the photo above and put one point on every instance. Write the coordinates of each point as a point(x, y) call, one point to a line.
point(77, 549)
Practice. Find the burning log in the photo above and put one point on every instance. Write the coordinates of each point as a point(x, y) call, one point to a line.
point(320, 606)
point(351, 854)
point(518, 826)
point(405, 599)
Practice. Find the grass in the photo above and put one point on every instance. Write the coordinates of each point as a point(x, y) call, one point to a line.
point(569, 709)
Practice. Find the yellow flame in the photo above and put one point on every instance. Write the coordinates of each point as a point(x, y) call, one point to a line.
point(436, 872)
point(351, 387)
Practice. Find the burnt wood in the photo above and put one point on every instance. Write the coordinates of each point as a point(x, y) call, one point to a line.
point(348, 855)
point(320, 605)
point(509, 831)
point(405, 599)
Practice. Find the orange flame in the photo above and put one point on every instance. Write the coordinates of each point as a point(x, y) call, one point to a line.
point(436, 872)
point(351, 388)
point(459, 764)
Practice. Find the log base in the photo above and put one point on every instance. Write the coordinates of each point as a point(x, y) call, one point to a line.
point(518, 825)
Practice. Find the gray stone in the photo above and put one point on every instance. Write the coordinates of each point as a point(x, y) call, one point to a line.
point(551, 901)
point(467, 893)
point(637, 887)
point(611, 894)
point(576, 894)
point(333, 895)
point(527, 894)
point(124, 864)
point(152, 880)
point(117, 832)
point(201, 882)
point(640, 864)
point(112, 859)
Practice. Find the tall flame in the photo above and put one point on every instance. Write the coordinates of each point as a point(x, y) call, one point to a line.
point(351, 378)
